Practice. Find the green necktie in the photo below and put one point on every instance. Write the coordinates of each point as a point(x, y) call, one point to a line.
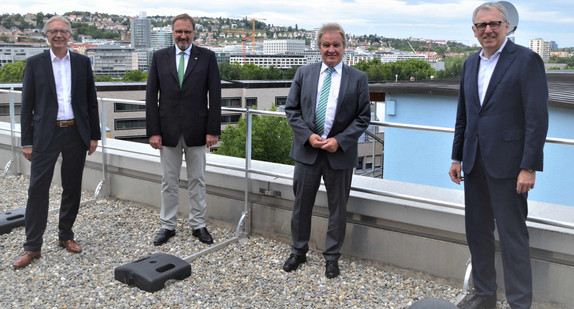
point(322, 106)
point(181, 68)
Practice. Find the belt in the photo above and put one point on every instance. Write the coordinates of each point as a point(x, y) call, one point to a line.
point(65, 123)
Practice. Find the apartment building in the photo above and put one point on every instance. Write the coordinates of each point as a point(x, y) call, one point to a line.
point(541, 47)
point(112, 60)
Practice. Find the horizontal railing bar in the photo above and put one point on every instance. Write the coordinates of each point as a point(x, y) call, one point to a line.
point(412, 127)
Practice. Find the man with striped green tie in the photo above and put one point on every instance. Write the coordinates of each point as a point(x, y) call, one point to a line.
point(328, 109)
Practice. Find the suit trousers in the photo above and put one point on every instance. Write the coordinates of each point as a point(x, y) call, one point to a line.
point(492, 201)
point(68, 142)
point(306, 181)
point(171, 160)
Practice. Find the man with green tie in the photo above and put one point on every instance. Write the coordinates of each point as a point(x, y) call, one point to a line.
point(180, 119)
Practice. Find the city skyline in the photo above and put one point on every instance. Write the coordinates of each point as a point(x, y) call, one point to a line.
point(550, 20)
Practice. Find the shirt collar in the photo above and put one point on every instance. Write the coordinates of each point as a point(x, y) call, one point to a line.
point(55, 58)
point(187, 51)
point(338, 67)
point(495, 54)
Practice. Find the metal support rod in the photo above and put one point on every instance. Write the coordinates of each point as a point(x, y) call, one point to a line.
point(12, 108)
point(238, 231)
point(101, 185)
point(213, 248)
point(374, 145)
point(248, 139)
point(466, 285)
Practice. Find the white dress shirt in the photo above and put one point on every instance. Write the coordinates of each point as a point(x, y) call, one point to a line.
point(333, 95)
point(63, 77)
point(485, 70)
point(186, 57)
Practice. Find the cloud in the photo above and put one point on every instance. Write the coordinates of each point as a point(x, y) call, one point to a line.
point(432, 19)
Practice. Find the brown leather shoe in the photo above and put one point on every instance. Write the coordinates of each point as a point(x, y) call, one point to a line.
point(26, 258)
point(71, 245)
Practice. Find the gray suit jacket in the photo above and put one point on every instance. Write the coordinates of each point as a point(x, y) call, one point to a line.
point(352, 115)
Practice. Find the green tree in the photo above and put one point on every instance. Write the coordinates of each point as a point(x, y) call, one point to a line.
point(229, 71)
point(39, 20)
point(403, 69)
point(568, 60)
point(135, 76)
point(272, 138)
point(12, 72)
point(102, 78)
point(452, 67)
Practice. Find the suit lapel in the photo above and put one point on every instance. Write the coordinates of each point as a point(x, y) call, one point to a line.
point(74, 67)
point(171, 62)
point(472, 73)
point(316, 73)
point(342, 88)
point(50, 73)
point(193, 59)
point(506, 58)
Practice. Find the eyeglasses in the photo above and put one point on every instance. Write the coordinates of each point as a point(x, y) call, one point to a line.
point(494, 25)
point(180, 32)
point(55, 32)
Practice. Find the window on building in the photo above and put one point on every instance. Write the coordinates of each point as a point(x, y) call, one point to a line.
point(360, 163)
point(5, 109)
point(250, 101)
point(129, 124)
point(124, 107)
point(230, 118)
point(280, 101)
point(231, 102)
point(138, 139)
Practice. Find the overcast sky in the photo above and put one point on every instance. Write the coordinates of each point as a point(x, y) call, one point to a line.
point(551, 20)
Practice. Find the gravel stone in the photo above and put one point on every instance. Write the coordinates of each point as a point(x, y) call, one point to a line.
point(115, 232)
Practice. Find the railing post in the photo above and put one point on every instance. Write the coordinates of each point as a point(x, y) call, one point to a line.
point(14, 160)
point(246, 217)
point(374, 144)
point(103, 184)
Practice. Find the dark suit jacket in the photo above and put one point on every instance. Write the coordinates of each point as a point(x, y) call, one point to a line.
point(40, 101)
point(512, 123)
point(183, 110)
point(352, 115)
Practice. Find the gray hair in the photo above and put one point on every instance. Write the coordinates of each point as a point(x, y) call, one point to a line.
point(491, 6)
point(60, 18)
point(331, 27)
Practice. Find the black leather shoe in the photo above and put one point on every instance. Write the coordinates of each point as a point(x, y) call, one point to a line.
point(203, 235)
point(163, 236)
point(332, 269)
point(474, 301)
point(293, 262)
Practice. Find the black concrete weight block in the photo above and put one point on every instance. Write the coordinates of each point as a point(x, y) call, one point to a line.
point(151, 273)
point(11, 219)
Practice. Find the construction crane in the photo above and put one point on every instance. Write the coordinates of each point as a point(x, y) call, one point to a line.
point(243, 39)
point(253, 33)
point(409, 42)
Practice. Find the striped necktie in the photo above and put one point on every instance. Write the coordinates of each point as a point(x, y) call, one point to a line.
point(322, 106)
point(181, 68)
